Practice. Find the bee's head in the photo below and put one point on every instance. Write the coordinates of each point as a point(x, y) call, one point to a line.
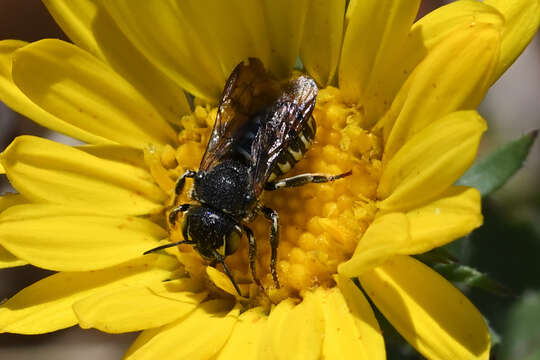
point(211, 231)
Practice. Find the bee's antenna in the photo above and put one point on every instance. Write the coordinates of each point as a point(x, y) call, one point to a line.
point(168, 246)
point(221, 260)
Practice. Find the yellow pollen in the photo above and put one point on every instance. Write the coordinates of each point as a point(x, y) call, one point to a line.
point(320, 224)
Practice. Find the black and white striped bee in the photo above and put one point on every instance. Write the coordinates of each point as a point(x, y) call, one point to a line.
point(262, 130)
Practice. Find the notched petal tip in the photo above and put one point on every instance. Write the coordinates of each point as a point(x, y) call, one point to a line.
point(430, 161)
point(46, 305)
point(522, 19)
point(455, 214)
point(79, 95)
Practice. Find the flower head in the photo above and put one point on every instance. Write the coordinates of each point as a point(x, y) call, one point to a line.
point(395, 106)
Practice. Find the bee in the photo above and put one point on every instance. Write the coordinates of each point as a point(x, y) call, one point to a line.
point(261, 131)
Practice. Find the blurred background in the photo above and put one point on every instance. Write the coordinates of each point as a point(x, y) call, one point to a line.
point(507, 247)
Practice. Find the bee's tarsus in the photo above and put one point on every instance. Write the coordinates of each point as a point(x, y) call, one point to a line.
point(304, 179)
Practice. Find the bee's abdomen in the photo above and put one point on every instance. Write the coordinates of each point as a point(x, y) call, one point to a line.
point(296, 150)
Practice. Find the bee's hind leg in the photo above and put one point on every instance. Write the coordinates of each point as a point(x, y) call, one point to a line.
point(303, 179)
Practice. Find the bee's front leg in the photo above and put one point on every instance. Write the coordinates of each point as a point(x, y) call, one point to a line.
point(219, 258)
point(252, 255)
point(179, 186)
point(174, 212)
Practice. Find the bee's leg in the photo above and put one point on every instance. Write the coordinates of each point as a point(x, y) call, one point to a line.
point(179, 186)
point(273, 216)
point(219, 258)
point(172, 220)
point(252, 255)
point(303, 179)
point(174, 212)
point(168, 246)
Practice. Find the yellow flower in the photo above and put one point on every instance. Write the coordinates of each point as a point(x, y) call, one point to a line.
point(396, 106)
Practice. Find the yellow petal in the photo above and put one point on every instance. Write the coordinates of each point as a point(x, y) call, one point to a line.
point(200, 335)
point(431, 314)
point(456, 213)
point(137, 308)
point(431, 30)
point(8, 260)
point(76, 19)
point(2, 170)
point(71, 84)
point(45, 171)
point(172, 44)
point(285, 22)
point(8, 200)
point(60, 238)
point(117, 153)
point(366, 323)
point(347, 332)
point(295, 331)
point(271, 348)
point(246, 337)
point(233, 30)
point(375, 32)
point(321, 44)
point(46, 305)
point(454, 76)
point(430, 161)
point(440, 23)
point(13, 97)
point(89, 26)
point(522, 18)
point(223, 282)
point(197, 44)
point(385, 237)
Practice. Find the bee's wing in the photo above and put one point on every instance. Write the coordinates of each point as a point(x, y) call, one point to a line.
point(248, 89)
point(281, 125)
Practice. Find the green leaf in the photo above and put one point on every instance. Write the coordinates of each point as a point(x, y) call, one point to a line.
point(493, 171)
point(470, 277)
point(493, 335)
point(522, 338)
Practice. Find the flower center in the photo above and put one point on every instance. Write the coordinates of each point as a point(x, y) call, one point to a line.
point(320, 224)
